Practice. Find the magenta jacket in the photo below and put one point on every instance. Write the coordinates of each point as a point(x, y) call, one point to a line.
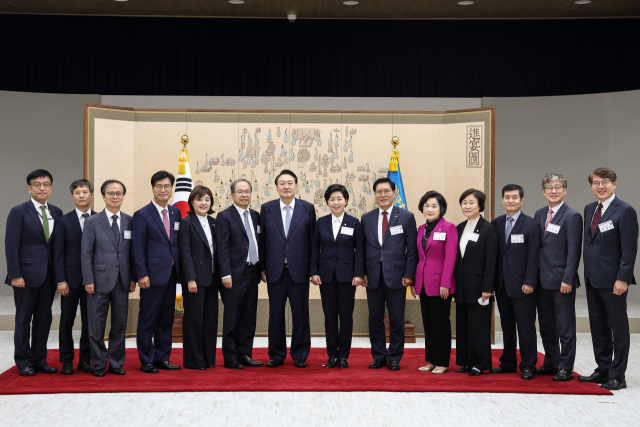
point(435, 268)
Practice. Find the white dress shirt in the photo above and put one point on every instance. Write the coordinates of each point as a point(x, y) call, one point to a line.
point(160, 208)
point(49, 216)
point(380, 217)
point(117, 215)
point(605, 205)
point(283, 211)
point(555, 210)
point(81, 218)
point(204, 222)
point(336, 222)
point(469, 228)
point(253, 236)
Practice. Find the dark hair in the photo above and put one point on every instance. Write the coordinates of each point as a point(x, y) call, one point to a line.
point(513, 187)
point(434, 195)
point(479, 195)
point(38, 173)
point(384, 181)
point(160, 175)
point(108, 182)
point(333, 188)
point(603, 173)
point(198, 193)
point(286, 172)
point(237, 181)
point(81, 183)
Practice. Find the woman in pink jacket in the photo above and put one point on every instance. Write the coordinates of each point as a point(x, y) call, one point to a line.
point(437, 250)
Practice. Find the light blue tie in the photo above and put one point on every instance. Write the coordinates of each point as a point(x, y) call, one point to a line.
point(253, 252)
point(287, 220)
point(509, 227)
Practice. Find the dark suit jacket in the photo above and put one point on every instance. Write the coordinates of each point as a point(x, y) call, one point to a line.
point(67, 255)
point(398, 253)
point(611, 255)
point(152, 250)
point(233, 242)
point(517, 263)
point(475, 272)
point(27, 251)
point(296, 247)
point(344, 255)
point(195, 257)
point(560, 253)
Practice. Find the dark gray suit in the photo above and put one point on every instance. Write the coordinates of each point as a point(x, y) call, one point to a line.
point(107, 265)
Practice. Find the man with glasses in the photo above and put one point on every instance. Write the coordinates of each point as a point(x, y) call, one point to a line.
point(156, 257)
point(610, 249)
point(560, 250)
point(29, 251)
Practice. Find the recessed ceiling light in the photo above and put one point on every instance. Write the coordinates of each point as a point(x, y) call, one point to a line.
point(236, 1)
point(465, 3)
point(350, 3)
point(120, 0)
point(582, 2)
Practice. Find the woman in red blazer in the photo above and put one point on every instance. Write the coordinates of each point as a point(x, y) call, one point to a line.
point(437, 251)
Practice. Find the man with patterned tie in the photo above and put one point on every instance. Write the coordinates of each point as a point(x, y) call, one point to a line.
point(610, 249)
point(29, 250)
point(156, 258)
point(238, 236)
point(560, 250)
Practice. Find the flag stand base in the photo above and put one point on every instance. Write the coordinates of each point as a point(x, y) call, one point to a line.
point(176, 334)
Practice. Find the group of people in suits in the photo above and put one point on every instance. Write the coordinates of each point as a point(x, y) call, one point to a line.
point(528, 265)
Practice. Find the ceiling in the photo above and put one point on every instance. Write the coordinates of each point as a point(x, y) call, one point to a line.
point(333, 9)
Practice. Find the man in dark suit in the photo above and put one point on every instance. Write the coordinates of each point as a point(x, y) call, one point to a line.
point(560, 250)
point(515, 280)
point(68, 276)
point(610, 249)
point(156, 258)
point(107, 275)
point(29, 250)
point(238, 237)
point(391, 258)
point(287, 229)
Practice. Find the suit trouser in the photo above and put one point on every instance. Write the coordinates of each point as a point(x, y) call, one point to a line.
point(609, 330)
point(97, 311)
point(155, 321)
point(520, 314)
point(557, 320)
point(240, 312)
point(473, 336)
point(395, 300)
point(69, 308)
point(437, 328)
point(338, 301)
point(200, 326)
point(298, 294)
point(30, 336)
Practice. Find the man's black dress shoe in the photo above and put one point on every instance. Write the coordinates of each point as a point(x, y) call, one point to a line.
point(614, 384)
point(331, 363)
point(596, 377)
point(247, 361)
point(189, 367)
point(211, 367)
point(234, 364)
point(377, 364)
point(394, 366)
point(27, 371)
point(475, 372)
point(67, 368)
point(98, 372)
point(300, 363)
point(343, 363)
point(165, 365)
point(45, 369)
point(547, 370)
point(115, 371)
point(148, 369)
point(463, 369)
point(527, 374)
point(274, 363)
point(563, 375)
point(501, 370)
point(85, 367)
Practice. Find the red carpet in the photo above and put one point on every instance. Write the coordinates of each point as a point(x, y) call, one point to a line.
point(358, 377)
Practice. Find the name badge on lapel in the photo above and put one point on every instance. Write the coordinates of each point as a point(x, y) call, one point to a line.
point(346, 230)
point(396, 230)
point(552, 228)
point(473, 237)
point(176, 226)
point(517, 238)
point(258, 229)
point(606, 226)
point(440, 236)
point(127, 234)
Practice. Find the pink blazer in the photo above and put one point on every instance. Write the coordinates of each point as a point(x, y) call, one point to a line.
point(436, 266)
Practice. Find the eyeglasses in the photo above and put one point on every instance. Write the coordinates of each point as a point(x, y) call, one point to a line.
point(38, 185)
point(160, 187)
point(241, 192)
point(550, 188)
point(599, 183)
point(384, 192)
point(112, 194)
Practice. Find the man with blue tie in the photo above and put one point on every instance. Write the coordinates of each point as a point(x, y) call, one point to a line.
point(287, 229)
point(29, 251)
point(391, 258)
point(560, 250)
point(156, 257)
point(610, 250)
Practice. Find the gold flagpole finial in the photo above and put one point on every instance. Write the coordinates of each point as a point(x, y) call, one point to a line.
point(395, 141)
point(394, 159)
point(184, 155)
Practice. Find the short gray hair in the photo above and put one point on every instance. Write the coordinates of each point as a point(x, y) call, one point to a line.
point(550, 177)
point(233, 184)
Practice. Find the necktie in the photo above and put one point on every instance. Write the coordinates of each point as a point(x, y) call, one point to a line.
point(253, 252)
point(165, 221)
point(84, 216)
point(45, 223)
point(596, 218)
point(385, 224)
point(287, 220)
point(509, 227)
point(549, 217)
point(115, 229)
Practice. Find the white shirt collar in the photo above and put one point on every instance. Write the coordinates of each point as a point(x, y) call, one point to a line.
point(607, 202)
point(337, 218)
point(242, 211)
point(292, 204)
point(388, 211)
point(80, 213)
point(556, 208)
point(160, 208)
point(202, 219)
point(109, 214)
point(471, 223)
point(38, 204)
